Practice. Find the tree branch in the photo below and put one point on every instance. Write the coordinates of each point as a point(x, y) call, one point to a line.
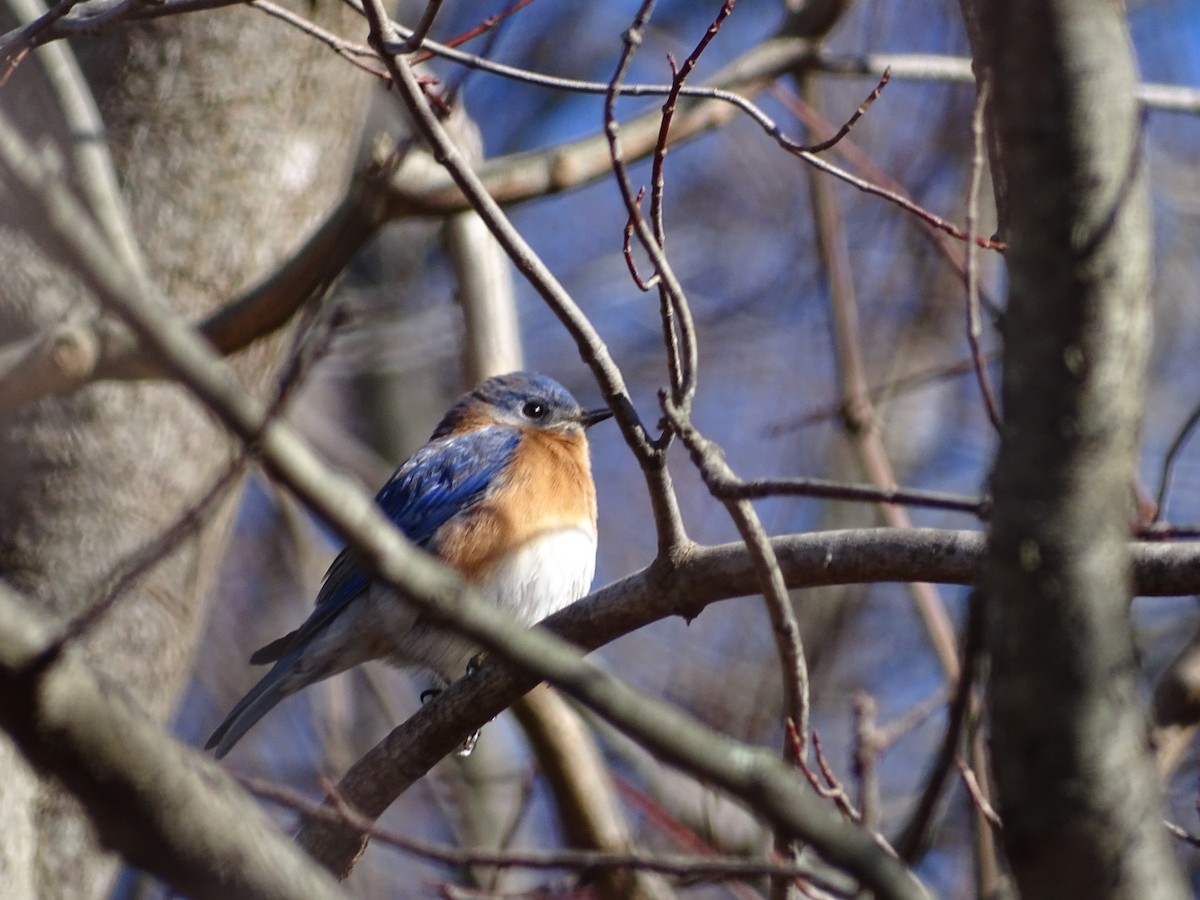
point(160, 805)
point(758, 778)
point(684, 588)
point(1075, 782)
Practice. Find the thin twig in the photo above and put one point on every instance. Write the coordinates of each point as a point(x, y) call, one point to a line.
point(643, 284)
point(858, 113)
point(831, 788)
point(910, 843)
point(866, 758)
point(487, 25)
point(139, 563)
point(837, 490)
point(982, 804)
point(679, 332)
point(677, 335)
point(945, 244)
point(356, 54)
point(894, 730)
point(416, 38)
point(878, 392)
point(1168, 466)
point(1182, 833)
point(974, 325)
point(861, 420)
point(711, 867)
point(709, 461)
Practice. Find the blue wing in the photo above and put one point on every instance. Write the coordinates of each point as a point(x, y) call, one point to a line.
point(444, 478)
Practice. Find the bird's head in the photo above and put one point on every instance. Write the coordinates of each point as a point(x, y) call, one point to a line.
point(525, 399)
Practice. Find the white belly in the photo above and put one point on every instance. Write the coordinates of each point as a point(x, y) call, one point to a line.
point(547, 574)
point(544, 576)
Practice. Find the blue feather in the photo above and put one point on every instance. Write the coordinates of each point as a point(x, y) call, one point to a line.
point(444, 478)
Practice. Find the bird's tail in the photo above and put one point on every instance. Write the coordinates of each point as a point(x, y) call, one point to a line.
point(278, 683)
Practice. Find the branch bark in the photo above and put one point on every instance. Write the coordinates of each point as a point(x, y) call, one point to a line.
point(93, 475)
point(754, 776)
point(160, 805)
point(1074, 777)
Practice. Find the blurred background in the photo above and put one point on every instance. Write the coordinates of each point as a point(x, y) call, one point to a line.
point(741, 236)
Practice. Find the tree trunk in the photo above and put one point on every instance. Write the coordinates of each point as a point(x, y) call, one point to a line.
point(231, 134)
point(1076, 785)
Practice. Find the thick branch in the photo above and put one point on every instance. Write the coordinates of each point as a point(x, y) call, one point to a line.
point(79, 353)
point(756, 777)
point(703, 576)
point(158, 804)
point(1076, 785)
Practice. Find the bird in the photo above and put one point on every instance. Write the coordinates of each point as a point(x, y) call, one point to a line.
point(502, 492)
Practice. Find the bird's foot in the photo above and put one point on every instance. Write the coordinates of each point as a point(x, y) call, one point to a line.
point(468, 745)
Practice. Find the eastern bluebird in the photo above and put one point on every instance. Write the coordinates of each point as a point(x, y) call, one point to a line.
point(503, 492)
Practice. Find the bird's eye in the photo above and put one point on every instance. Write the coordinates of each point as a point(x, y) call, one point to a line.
point(534, 409)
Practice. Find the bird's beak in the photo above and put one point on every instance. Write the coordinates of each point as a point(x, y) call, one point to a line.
point(590, 417)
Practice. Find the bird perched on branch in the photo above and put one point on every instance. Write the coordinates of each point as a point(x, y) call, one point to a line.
point(503, 492)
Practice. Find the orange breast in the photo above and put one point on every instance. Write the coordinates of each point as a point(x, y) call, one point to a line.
point(547, 488)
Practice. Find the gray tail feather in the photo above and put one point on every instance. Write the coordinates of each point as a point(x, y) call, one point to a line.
point(260, 700)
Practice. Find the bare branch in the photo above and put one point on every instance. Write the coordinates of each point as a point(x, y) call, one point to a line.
point(126, 772)
point(711, 867)
point(754, 776)
point(1063, 674)
point(974, 323)
point(709, 460)
point(862, 423)
point(836, 490)
point(684, 588)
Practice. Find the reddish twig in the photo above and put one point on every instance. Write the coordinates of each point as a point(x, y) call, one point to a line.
point(644, 284)
point(18, 44)
point(857, 114)
point(833, 788)
point(486, 25)
point(708, 866)
point(356, 54)
point(678, 328)
point(941, 237)
point(679, 75)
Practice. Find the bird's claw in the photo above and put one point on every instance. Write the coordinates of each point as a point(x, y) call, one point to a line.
point(468, 745)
